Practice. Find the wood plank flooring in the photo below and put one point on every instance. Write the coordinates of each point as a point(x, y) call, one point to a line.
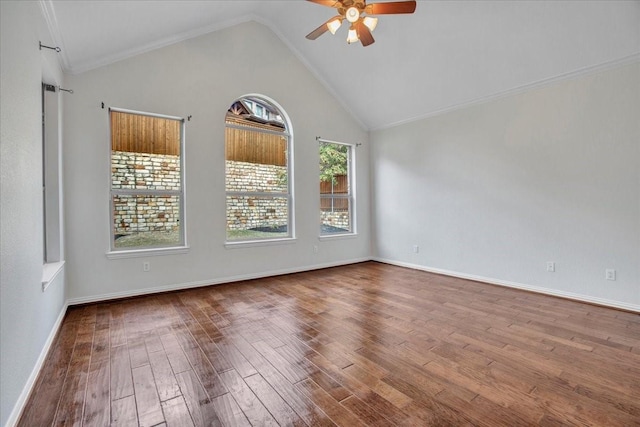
point(361, 345)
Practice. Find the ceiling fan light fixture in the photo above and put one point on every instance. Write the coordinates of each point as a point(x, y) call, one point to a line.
point(334, 24)
point(352, 37)
point(370, 22)
point(357, 14)
point(352, 14)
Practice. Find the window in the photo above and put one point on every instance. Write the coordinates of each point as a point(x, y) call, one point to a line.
point(336, 188)
point(258, 174)
point(52, 219)
point(147, 191)
point(47, 147)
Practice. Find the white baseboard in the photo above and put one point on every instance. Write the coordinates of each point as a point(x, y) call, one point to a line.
point(536, 289)
point(31, 381)
point(201, 283)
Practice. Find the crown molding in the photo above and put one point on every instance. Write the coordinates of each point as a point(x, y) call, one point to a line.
point(157, 44)
point(592, 69)
point(49, 14)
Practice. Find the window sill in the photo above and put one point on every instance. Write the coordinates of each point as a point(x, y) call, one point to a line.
point(255, 243)
point(338, 236)
point(137, 253)
point(50, 271)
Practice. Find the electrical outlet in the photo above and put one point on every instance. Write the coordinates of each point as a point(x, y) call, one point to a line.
point(416, 249)
point(146, 266)
point(315, 249)
point(610, 274)
point(551, 266)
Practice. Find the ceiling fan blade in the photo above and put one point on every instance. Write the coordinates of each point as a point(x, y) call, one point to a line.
point(363, 33)
point(390, 8)
point(320, 30)
point(330, 3)
point(317, 32)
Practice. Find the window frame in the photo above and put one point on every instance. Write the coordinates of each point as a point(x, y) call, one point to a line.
point(181, 246)
point(351, 191)
point(52, 195)
point(288, 134)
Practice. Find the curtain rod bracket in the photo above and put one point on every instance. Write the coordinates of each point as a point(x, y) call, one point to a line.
point(57, 49)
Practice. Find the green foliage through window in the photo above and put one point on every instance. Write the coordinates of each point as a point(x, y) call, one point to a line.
point(333, 161)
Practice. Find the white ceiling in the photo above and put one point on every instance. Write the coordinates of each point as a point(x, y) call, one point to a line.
point(447, 54)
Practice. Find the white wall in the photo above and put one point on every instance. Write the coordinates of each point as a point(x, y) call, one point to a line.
point(28, 316)
point(201, 77)
point(496, 190)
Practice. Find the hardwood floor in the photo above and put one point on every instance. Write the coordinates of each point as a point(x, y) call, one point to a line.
point(360, 345)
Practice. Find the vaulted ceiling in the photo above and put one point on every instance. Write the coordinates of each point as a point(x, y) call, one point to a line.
point(447, 54)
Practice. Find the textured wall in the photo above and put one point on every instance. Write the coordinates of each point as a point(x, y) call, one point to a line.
point(27, 314)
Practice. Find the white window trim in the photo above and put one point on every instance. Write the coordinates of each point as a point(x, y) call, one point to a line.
point(137, 253)
point(338, 236)
point(288, 132)
point(352, 192)
point(50, 271)
point(114, 253)
point(256, 243)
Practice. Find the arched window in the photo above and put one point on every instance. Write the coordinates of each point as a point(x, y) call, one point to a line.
point(258, 147)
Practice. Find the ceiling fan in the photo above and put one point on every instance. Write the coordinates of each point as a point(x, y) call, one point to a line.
point(357, 12)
